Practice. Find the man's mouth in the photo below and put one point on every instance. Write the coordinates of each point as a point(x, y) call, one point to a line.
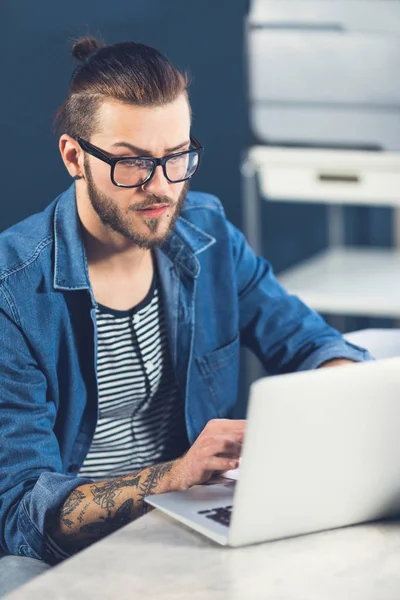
point(154, 211)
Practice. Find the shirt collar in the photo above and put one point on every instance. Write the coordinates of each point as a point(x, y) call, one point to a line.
point(71, 267)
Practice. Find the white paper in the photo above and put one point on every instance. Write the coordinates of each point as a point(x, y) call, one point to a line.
point(381, 343)
point(232, 474)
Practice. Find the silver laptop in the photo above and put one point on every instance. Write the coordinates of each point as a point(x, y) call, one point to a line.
point(322, 450)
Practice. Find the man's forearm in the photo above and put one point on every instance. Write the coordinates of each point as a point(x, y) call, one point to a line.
point(94, 510)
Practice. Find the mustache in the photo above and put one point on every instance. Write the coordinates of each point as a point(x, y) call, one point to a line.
point(152, 201)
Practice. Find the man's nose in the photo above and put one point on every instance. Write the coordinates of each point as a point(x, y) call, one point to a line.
point(158, 184)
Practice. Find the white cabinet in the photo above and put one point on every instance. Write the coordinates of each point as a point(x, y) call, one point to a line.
point(340, 280)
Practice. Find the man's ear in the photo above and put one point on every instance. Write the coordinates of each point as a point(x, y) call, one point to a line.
point(72, 155)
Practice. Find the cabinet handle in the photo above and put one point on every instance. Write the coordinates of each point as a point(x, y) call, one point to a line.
point(332, 178)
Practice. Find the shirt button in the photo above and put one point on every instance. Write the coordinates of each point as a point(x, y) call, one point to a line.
point(149, 366)
point(136, 319)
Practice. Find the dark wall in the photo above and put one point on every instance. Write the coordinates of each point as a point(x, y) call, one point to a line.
point(206, 38)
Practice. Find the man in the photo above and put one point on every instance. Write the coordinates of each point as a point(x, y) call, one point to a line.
point(122, 310)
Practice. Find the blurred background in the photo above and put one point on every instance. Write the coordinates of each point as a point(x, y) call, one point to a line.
point(297, 103)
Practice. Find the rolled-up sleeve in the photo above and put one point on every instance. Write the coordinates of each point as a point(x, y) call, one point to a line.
point(332, 351)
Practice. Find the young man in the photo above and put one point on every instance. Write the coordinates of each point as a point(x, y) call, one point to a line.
point(122, 310)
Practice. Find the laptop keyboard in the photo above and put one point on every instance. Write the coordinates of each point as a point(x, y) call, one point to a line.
point(221, 515)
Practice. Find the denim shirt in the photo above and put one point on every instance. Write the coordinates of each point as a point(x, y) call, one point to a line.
point(217, 296)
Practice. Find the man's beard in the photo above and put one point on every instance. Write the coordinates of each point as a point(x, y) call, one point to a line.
point(112, 216)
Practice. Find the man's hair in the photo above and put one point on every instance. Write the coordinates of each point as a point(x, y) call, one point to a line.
point(128, 72)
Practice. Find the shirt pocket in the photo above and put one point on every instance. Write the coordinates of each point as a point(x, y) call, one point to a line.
point(219, 371)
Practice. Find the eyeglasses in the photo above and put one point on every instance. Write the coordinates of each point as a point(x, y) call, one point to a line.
point(134, 171)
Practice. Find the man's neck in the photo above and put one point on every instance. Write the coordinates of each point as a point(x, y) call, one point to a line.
point(107, 249)
point(122, 259)
point(120, 272)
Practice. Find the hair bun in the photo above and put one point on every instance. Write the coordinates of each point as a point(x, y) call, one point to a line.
point(84, 47)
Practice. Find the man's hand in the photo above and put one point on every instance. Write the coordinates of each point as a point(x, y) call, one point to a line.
point(94, 510)
point(337, 362)
point(217, 448)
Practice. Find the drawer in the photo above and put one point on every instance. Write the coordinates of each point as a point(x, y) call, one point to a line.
point(329, 176)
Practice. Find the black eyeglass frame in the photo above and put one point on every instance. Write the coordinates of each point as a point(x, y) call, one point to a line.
point(113, 161)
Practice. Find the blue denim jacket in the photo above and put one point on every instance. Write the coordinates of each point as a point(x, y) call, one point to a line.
point(217, 296)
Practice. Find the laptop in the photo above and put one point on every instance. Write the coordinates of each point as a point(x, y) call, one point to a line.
point(322, 450)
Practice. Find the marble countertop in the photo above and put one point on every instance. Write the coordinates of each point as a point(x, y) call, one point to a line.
point(156, 557)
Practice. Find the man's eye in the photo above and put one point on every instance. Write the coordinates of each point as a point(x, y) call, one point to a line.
point(135, 163)
point(176, 159)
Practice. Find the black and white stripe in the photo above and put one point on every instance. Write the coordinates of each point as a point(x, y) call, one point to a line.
point(141, 413)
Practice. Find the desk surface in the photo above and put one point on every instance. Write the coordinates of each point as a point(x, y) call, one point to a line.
point(155, 557)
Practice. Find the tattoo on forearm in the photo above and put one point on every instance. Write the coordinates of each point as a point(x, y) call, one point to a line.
point(108, 524)
point(71, 503)
point(88, 523)
point(106, 492)
point(67, 522)
point(151, 481)
point(83, 512)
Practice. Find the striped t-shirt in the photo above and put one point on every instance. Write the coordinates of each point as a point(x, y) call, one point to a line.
point(141, 411)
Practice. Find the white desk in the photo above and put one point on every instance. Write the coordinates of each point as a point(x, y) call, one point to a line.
point(155, 558)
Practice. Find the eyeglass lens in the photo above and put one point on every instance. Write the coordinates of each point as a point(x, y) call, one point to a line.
point(135, 171)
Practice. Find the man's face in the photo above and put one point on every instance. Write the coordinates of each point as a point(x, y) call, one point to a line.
point(126, 130)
